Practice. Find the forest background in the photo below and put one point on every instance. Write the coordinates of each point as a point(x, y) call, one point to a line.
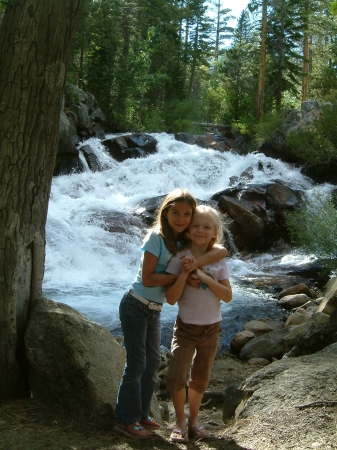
point(165, 65)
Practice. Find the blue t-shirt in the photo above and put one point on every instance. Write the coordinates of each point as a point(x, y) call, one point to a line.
point(155, 244)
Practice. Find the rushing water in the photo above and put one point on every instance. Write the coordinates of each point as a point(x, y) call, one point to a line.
point(89, 268)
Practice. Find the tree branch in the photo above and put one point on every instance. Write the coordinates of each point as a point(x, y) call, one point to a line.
point(318, 403)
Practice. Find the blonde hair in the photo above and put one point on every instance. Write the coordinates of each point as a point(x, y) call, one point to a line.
point(216, 221)
point(161, 223)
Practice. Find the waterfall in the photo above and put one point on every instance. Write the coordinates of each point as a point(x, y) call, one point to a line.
point(89, 268)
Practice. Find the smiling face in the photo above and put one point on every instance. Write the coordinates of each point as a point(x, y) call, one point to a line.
point(179, 216)
point(202, 229)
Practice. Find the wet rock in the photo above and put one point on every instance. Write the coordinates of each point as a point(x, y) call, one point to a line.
point(276, 343)
point(136, 145)
point(293, 301)
point(240, 340)
point(257, 327)
point(258, 362)
point(298, 289)
point(296, 319)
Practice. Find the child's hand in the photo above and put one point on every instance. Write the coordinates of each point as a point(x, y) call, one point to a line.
point(193, 280)
point(188, 263)
point(202, 276)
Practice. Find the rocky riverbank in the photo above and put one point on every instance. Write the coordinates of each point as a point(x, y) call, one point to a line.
point(292, 409)
point(75, 369)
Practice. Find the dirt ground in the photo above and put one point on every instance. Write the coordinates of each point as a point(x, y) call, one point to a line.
point(33, 424)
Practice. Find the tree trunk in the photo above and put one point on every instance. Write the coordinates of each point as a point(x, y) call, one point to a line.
point(305, 67)
point(194, 62)
point(262, 71)
point(35, 42)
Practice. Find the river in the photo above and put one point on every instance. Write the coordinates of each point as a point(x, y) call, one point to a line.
point(89, 268)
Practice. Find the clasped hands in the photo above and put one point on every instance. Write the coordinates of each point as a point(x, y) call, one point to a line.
point(189, 267)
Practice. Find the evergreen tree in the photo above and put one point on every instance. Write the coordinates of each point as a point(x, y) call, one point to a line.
point(220, 29)
point(322, 31)
point(286, 28)
point(238, 69)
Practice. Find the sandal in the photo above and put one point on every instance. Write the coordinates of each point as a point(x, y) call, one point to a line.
point(198, 433)
point(150, 422)
point(133, 431)
point(179, 435)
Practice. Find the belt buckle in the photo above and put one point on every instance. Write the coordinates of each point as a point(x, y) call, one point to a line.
point(154, 306)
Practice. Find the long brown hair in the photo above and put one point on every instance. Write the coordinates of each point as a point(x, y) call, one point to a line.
point(161, 223)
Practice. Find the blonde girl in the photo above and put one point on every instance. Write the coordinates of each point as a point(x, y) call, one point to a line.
point(197, 328)
point(140, 310)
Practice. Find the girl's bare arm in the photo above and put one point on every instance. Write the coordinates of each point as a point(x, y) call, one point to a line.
point(221, 289)
point(149, 275)
point(213, 255)
point(174, 292)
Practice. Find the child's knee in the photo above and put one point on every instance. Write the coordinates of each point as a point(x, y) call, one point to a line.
point(199, 386)
point(174, 385)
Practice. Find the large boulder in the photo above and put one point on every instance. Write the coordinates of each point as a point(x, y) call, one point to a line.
point(80, 119)
point(324, 171)
point(257, 212)
point(67, 159)
point(73, 360)
point(251, 228)
point(277, 343)
point(137, 145)
point(294, 121)
point(289, 383)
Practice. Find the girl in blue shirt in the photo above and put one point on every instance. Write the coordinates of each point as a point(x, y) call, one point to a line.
point(140, 312)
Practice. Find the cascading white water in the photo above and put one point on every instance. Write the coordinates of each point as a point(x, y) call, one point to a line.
point(90, 268)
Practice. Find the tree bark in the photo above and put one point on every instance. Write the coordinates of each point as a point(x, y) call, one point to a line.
point(35, 42)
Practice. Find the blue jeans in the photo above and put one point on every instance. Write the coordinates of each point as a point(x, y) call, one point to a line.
point(141, 329)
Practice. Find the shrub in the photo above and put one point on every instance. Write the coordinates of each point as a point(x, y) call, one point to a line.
point(180, 115)
point(317, 141)
point(245, 125)
point(310, 145)
point(267, 129)
point(314, 228)
point(259, 132)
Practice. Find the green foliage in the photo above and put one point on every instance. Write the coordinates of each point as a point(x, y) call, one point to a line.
point(309, 145)
point(287, 23)
point(144, 61)
point(212, 95)
point(333, 8)
point(314, 228)
point(258, 132)
point(327, 123)
point(246, 125)
point(266, 128)
point(317, 141)
point(154, 121)
point(180, 125)
point(181, 114)
point(238, 72)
